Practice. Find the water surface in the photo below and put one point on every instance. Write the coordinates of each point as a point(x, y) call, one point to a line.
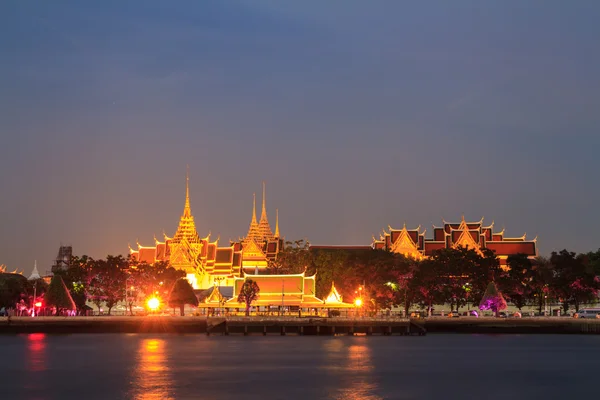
point(144, 367)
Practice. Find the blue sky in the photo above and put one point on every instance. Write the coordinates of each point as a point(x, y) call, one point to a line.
point(357, 115)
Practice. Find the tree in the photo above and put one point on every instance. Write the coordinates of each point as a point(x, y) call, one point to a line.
point(483, 269)
point(593, 260)
point(541, 277)
point(106, 281)
point(293, 259)
point(515, 282)
point(182, 294)
point(428, 282)
point(58, 295)
point(574, 281)
point(12, 289)
point(75, 278)
point(248, 294)
point(492, 299)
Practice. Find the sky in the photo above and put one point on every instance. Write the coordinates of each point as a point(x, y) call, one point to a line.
point(356, 114)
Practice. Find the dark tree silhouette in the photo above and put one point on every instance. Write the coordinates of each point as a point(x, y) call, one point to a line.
point(248, 294)
point(182, 294)
point(58, 295)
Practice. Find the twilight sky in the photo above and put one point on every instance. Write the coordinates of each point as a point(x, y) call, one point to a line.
point(357, 114)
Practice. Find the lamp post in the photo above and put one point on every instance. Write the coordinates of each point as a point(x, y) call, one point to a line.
point(34, 297)
point(467, 288)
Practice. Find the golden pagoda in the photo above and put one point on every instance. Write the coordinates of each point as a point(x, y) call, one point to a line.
point(202, 259)
point(260, 244)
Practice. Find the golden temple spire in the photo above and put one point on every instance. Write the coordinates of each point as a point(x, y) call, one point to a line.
point(276, 223)
point(253, 209)
point(263, 215)
point(187, 211)
point(187, 227)
point(253, 231)
point(263, 227)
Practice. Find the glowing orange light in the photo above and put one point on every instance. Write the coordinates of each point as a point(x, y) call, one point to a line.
point(38, 304)
point(358, 302)
point(153, 303)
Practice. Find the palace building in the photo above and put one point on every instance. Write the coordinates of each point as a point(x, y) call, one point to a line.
point(204, 261)
point(473, 235)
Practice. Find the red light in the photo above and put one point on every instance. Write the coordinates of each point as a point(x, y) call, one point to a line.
point(38, 304)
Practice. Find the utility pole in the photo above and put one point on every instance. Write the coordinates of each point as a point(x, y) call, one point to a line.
point(282, 296)
point(34, 297)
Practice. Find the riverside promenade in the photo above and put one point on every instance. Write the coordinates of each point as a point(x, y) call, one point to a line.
point(297, 326)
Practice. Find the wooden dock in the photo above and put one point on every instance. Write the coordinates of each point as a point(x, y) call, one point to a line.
point(213, 326)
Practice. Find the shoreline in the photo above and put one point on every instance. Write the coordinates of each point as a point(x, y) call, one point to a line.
point(298, 326)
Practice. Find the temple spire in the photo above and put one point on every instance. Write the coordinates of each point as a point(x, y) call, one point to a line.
point(34, 274)
point(263, 215)
point(187, 211)
point(264, 228)
point(187, 227)
point(254, 209)
point(276, 223)
point(253, 231)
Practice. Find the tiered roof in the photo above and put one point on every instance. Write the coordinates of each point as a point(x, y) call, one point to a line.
point(473, 235)
point(186, 230)
point(187, 250)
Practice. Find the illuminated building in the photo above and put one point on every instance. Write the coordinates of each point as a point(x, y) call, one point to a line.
point(296, 291)
point(472, 235)
point(260, 245)
point(203, 260)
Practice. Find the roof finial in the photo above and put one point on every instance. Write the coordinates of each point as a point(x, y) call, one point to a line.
point(187, 212)
point(254, 208)
point(264, 203)
point(276, 222)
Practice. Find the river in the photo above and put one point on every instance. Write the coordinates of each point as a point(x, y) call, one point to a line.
point(442, 366)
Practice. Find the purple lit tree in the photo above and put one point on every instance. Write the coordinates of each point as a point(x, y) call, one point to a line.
point(492, 299)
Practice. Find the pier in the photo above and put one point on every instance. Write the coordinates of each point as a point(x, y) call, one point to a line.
point(290, 326)
point(213, 326)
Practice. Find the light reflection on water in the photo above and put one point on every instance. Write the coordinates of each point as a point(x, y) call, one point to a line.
point(115, 367)
point(36, 348)
point(353, 365)
point(152, 377)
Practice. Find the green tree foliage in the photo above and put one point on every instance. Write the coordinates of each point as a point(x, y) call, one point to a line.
point(293, 259)
point(574, 281)
point(58, 295)
point(107, 280)
point(75, 278)
point(492, 299)
point(516, 281)
point(593, 260)
point(248, 293)
point(156, 279)
point(12, 289)
point(333, 265)
point(182, 294)
point(428, 283)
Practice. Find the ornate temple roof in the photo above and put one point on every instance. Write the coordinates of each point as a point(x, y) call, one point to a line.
point(187, 227)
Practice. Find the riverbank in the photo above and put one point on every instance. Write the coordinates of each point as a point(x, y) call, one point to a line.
point(297, 326)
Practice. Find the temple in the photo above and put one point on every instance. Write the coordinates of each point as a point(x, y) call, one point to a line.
point(291, 292)
point(204, 261)
point(261, 245)
point(473, 235)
